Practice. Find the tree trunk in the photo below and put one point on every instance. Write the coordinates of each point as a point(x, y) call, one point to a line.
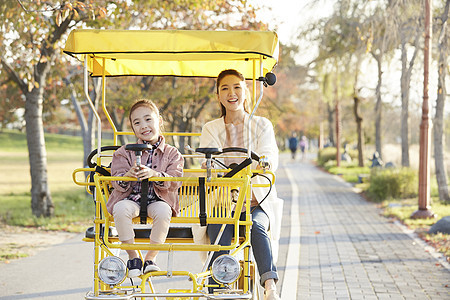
point(320, 141)
point(404, 83)
point(123, 139)
point(357, 114)
point(359, 131)
point(330, 124)
point(41, 200)
point(438, 123)
point(378, 107)
point(338, 124)
point(87, 128)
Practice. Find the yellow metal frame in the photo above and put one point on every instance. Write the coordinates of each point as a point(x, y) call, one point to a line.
point(107, 53)
point(218, 202)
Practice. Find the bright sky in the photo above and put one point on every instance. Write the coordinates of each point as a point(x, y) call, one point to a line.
point(283, 16)
point(287, 16)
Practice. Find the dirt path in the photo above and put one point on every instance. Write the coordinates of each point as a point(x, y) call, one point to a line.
point(17, 242)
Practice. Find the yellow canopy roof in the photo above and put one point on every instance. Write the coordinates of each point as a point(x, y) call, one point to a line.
point(173, 52)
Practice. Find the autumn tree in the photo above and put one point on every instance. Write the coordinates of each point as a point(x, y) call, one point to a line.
point(33, 32)
point(32, 35)
point(287, 103)
point(339, 56)
point(382, 27)
point(409, 33)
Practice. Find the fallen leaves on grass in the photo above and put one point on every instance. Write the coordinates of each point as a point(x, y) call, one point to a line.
point(439, 241)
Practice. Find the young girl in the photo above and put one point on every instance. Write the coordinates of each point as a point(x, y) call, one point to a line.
point(228, 131)
point(159, 161)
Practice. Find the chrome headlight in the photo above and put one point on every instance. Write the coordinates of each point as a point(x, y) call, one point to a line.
point(226, 269)
point(112, 270)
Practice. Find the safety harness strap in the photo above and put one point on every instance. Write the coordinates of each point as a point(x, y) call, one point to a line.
point(144, 197)
point(202, 199)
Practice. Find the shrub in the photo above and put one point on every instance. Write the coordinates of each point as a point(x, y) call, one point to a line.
point(392, 183)
point(325, 155)
point(329, 154)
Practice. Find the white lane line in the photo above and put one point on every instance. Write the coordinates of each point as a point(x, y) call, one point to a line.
point(290, 281)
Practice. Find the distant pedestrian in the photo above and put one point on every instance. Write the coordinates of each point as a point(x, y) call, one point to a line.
point(293, 144)
point(303, 146)
point(376, 160)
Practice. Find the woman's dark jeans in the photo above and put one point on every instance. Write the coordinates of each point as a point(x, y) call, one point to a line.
point(259, 239)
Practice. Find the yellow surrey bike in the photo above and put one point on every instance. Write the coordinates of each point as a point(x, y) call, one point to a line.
point(205, 198)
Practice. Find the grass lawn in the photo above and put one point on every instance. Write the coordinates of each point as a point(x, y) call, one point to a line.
point(350, 172)
point(73, 208)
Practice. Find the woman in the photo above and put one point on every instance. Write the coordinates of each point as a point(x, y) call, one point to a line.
point(230, 131)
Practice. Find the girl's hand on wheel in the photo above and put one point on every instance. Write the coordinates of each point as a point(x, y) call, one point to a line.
point(204, 165)
point(145, 172)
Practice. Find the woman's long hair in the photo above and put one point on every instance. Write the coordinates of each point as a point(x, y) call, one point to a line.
point(242, 78)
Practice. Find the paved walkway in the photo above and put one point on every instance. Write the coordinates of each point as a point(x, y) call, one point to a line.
point(348, 251)
point(334, 245)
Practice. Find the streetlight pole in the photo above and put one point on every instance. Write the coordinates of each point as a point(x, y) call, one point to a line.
point(424, 210)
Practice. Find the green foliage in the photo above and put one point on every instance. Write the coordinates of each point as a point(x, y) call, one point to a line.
point(325, 155)
point(73, 211)
point(349, 171)
point(392, 183)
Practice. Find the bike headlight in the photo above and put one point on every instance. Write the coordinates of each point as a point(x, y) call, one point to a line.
point(112, 270)
point(226, 269)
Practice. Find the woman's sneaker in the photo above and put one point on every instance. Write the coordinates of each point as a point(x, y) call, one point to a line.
point(271, 295)
point(150, 266)
point(134, 267)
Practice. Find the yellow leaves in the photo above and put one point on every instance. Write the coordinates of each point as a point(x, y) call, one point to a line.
point(369, 46)
point(80, 5)
point(58, 19)
point(32, 85)
point(366, 37)
point(69, 7)
point(65, 13)
point(102, 12)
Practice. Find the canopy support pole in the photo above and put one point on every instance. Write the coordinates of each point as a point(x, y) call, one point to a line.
point(249, 125)
point(91, 104)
